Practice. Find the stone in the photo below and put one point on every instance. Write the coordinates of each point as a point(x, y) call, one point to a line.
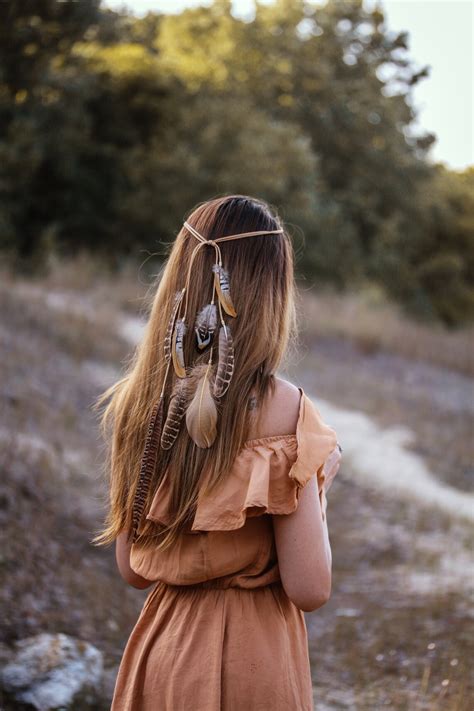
point(54, 671)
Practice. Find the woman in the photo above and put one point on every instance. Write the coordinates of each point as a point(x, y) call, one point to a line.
point(218, 477)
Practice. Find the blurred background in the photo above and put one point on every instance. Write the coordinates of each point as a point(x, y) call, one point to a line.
point(354, 119)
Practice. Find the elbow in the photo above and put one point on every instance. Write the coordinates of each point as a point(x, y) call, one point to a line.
point(312, 603)
point(137, 582)
point(132, 579)
point(311, 598)
point(122, 557)
point(140, 584)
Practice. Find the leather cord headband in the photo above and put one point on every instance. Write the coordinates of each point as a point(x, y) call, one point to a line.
point(239, 235)
point(213, 242)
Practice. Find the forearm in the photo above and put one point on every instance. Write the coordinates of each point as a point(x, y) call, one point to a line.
point(325, 478)
point(327, 544)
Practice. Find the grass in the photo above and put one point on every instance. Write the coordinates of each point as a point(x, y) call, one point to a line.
point(51, 492)
point(372, 324)
point(388, 644)
point(371, 645)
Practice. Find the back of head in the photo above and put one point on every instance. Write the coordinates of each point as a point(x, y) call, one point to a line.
point(255, 309)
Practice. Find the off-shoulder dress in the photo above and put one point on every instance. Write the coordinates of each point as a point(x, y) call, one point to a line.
point(217, 632)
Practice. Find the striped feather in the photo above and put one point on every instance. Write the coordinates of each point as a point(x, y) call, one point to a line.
point(177, 348)
point(221, 281)
point(148, 465)
point(176, 410)
point(225, 363)
point(178, 297)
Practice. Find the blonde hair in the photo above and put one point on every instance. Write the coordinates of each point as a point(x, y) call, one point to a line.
point(261, 270)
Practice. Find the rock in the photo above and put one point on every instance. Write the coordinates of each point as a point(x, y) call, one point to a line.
point(54, 671)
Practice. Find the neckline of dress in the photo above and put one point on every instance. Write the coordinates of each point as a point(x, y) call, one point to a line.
point(264, 440)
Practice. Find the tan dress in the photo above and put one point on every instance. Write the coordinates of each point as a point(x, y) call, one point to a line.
point(217, 632)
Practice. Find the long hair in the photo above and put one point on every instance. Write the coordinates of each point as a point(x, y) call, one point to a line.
point(261, 271)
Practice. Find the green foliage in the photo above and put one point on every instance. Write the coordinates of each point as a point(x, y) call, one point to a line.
point(113, 127)
point(434, 264)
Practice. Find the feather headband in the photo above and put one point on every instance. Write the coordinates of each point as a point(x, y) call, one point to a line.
point(196, 389)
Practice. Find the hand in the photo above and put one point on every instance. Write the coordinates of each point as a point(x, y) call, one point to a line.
point(331, 467)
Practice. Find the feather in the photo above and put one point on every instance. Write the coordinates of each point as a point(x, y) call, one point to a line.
point(225, 363)
point(177, 348)
point(201, 414)
point(206, 324)
point(169, 330)
point(176, 409)
point(221, 281)
point(148, 465)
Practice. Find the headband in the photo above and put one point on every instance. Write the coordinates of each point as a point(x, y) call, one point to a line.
point(196, 389)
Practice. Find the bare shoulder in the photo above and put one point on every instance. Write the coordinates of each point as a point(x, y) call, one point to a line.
point(280, 415)
point(286, 393)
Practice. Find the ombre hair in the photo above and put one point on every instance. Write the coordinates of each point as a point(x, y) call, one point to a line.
point(261, 270)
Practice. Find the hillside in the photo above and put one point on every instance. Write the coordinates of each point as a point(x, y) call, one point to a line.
point(394, 633)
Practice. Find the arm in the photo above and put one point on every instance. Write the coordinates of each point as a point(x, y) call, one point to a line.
point(303, 548)
point(122, 556)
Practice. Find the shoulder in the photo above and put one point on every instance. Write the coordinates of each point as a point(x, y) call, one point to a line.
point(282, 410)
point(286, 392)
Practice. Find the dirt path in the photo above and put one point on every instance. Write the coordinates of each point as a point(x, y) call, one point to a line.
point(395, 632)
point(379, 457)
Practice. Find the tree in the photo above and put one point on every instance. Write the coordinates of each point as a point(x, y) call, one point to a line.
point(113, 127)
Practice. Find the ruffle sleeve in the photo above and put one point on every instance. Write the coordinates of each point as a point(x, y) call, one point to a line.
point(266, 476)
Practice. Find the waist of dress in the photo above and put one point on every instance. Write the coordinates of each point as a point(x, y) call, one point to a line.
point(218, 584)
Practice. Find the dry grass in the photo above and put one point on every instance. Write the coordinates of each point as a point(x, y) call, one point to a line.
point(372, 324)
point(54, 352)
point(56, 326)
point(386, 642)
point(365, 319)
point(121, 289)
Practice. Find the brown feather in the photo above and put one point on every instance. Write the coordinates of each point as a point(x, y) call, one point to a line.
point(177, 348)
point(206, 324)
point(148, 465)
point(178, 297)
point(221, 281)
point(176, 410)
point(225, 363)
point(201, 414)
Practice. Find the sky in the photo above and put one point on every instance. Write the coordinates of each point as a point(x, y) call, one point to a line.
point(441, 36)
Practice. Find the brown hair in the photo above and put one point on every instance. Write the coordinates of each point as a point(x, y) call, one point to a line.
point(261, 271)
